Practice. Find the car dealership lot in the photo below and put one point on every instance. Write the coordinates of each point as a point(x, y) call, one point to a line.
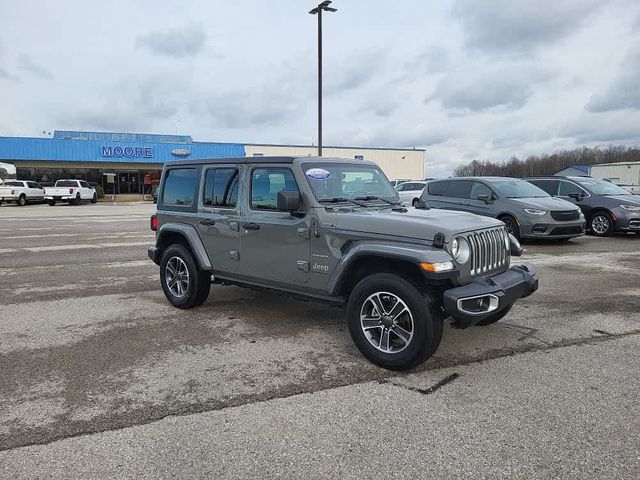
point(89, 344)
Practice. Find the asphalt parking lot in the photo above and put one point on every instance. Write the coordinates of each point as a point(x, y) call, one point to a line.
point(99, 376)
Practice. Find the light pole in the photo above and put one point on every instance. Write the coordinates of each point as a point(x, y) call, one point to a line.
point(324, 6)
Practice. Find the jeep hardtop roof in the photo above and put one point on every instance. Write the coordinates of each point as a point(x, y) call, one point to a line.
point(253, 160)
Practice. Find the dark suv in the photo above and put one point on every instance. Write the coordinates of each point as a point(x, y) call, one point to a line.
point(607, 207)
point(334, 230)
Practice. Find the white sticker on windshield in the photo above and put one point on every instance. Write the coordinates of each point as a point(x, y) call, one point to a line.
point(318, 173)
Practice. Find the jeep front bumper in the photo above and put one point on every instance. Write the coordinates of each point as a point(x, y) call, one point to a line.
point(484, 297)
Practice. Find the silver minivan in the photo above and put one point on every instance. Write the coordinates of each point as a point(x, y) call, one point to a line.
point(526, 210)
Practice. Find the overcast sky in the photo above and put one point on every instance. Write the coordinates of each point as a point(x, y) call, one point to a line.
point(464, 79)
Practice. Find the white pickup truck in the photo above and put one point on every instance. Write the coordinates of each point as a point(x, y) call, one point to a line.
point(21, 192)
point(70, 191)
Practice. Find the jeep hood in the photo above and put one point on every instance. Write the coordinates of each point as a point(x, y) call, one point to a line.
point(415, 223)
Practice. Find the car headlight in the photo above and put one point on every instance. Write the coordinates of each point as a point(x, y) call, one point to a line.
point(631, 208)
point(460, 249)
point(535, 211)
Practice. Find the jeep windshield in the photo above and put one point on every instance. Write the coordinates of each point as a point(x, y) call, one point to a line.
point(518, 189)
point(345, 182)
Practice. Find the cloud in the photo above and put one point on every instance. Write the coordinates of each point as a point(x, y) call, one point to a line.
point(352, 72)
point(6, 75)
point(476, 90)
point(187, 41)
point(520, 26)
point(612, 127)
point(624, 91)
point(25, 63)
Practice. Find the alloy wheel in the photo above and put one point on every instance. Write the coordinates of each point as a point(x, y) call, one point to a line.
point(600, 224)
point(177, 277)
point(386, 322)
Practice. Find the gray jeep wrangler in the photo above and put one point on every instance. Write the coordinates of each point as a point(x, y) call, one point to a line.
point(333, 230)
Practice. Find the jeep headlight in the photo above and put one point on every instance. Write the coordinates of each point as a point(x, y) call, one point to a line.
point(535, 211)
point(460, 249)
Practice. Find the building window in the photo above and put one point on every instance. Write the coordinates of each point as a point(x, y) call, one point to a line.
point(258, 154)
point(359, 157)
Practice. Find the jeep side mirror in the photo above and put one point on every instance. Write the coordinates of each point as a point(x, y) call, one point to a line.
point(483, 198)
point(288, 201)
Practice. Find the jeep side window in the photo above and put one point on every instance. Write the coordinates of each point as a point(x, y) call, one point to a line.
point(437, 188)
point(221, 187)
point(266, 183)
point(179, 187)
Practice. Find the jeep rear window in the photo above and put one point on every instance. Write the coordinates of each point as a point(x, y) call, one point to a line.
point(179, 187)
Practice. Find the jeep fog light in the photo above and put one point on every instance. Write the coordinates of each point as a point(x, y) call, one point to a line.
point(436, 267)
point(460, 249)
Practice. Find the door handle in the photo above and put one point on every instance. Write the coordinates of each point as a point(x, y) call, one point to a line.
point(207, 222)
point(251, 226)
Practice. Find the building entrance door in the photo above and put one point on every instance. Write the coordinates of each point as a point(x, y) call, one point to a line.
point(129, 182)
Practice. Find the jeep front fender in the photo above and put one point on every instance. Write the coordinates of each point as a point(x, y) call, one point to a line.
point(412, 253)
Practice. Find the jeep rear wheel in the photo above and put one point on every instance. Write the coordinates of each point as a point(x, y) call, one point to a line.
point(390, 322)
point(183, 283)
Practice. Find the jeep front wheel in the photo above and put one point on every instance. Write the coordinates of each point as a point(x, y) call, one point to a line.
point(183, 283)
point(391, 323)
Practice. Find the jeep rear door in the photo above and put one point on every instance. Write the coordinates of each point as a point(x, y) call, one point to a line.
point(219, 216)
point(273, 245)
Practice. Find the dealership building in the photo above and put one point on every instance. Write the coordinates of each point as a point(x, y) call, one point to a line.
point(129, 164)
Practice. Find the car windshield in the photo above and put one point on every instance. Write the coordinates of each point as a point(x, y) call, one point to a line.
point(66, 183)
point(518, 189)
point(602, 187)
point(331, 181)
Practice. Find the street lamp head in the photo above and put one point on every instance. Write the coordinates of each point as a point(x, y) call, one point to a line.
point(323, 6)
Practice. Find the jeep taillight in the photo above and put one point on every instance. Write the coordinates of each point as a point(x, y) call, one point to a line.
point(154, 223)
point(71, 190)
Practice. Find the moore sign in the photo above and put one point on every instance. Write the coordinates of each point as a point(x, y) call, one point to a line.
point(128, 152)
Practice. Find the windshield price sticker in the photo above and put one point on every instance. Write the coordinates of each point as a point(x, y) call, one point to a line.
point(318, 173)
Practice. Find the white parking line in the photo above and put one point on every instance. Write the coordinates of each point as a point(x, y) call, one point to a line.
point(84, 246)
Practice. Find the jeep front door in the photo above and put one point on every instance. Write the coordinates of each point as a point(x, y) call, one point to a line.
point(219, 217)
point(273, 245)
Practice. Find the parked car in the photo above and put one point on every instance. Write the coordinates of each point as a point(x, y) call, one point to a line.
point(526, 210)
point(21, 192)
point(607, 207)
point(410, 192)
point(298, 226)
point(70, 191)
point(397, 182)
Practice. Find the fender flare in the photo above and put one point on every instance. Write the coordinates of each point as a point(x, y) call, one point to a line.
point(193, 239)
point(415, 254)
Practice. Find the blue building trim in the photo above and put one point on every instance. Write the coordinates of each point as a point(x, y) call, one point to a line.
point(71, 146)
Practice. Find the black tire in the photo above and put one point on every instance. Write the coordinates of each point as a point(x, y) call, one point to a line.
point(22, 200)
point(0, 203)
point(94, 199)
point(77, 200)
point(495, 317)
point(415, 202)
point(51, 203)
point(512, 225)
point(426, 330)
point(199, 283)
point(601, 224)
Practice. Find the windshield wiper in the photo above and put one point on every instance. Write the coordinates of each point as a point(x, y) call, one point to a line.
point(373, 197)
point(341, 200)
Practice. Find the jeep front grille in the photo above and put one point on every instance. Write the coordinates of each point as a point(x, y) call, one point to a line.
point(488, 250)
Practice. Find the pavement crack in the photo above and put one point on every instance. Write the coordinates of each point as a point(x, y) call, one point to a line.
point(427, 391)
